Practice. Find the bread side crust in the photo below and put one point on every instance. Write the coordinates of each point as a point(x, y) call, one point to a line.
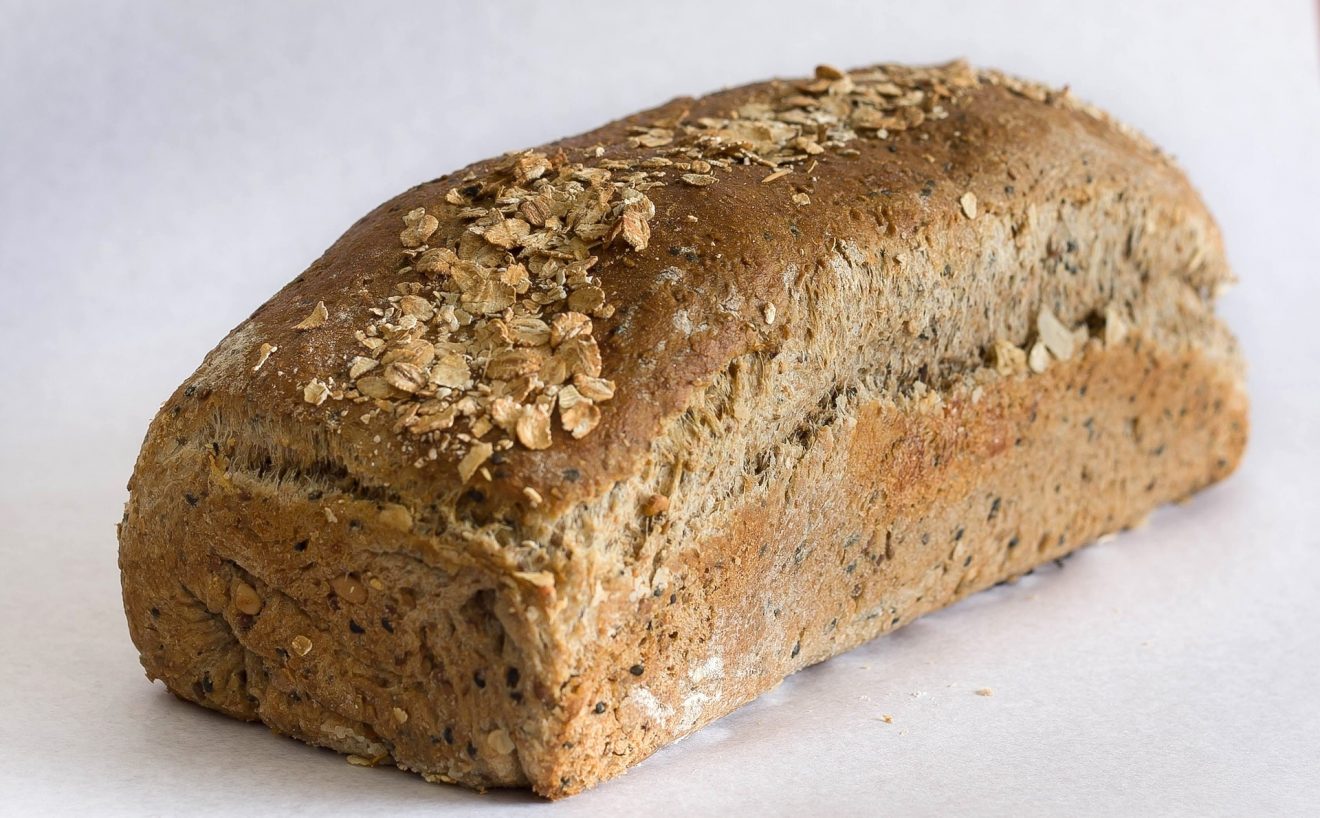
point(881, 510)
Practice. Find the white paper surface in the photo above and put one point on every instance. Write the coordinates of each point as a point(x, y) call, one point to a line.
point(164, 167)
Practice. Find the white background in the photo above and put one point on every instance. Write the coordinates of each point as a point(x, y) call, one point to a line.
point(164, 167)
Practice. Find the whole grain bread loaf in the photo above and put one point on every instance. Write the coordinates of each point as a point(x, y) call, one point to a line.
point(550, 461)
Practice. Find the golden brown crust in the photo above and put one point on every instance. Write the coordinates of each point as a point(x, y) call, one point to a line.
point(997, 144)
point(1012, 302)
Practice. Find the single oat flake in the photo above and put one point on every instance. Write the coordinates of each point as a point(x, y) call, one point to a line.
point(315, 318)
point(263, 355)
point(316, 392)
point(1057, 338)
point(968, 202)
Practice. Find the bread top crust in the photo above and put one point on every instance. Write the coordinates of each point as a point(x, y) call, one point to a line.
point(721, 261)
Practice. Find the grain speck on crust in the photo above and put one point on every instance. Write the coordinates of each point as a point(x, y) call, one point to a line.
point(499, 742)
point(397, 517)
point(540, 579)
point(375, 387)
point(349, 589)
point(1116, 328)
point(1057, 338)
point(1008, 358)
point(472, 461)
point(263, 355)
point(318, 316)
point(968, 202)
point(246, 599)
point(1038, 359)
point(579, 418)
point(655, 504)
point(315, 392)
point(533, 427)
point(301, 645)
point(634, 228)
point(420, 226)
point(598, 390)
point(360, 366)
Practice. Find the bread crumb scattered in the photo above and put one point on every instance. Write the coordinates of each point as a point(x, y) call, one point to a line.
point(984, 691)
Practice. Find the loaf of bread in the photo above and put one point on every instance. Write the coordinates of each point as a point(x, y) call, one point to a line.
point(551, 461)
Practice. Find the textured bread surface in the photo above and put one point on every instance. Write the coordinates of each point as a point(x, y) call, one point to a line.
point(920, 363)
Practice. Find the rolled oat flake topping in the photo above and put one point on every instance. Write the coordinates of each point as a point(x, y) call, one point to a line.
point(489, 341)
